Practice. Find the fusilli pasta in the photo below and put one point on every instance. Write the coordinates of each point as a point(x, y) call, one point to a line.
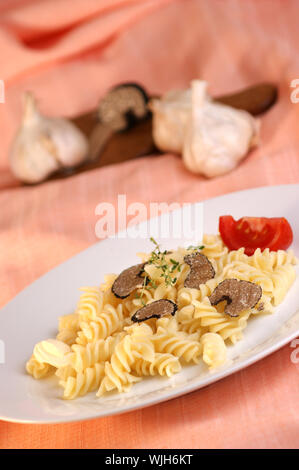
point(99, 347)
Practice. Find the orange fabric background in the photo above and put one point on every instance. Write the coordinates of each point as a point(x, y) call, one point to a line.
point(70, 57)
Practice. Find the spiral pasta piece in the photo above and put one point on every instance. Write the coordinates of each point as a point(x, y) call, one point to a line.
point(63, 373)
point(217, 322)
point(187, 322)
point(67, 336)
point(169, 340)
point(265, 260)
point(162, 364)
point(108, 322)
point(112, 381)
point(69, 322)
point(38, 370)
point(282, 278)
point(186, 295)
point(214, 349)
point(91, 303)
point(282, 258)
point(101, 350)
point(229, 258)
point(83, 382)
point(214, 247)
point(68, 327)
point(117, 371)
point(136, 301)
point(142, 341)
point(108, 282)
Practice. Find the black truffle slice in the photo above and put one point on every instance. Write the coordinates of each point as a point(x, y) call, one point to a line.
point(128, 280)
point(201, 270)
point(239, 295)
point(156, 309)
point(123, 106)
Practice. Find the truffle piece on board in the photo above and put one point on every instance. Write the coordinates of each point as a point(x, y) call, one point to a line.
point(156, 309)
point(201, 270)
point(123, 106)
point(128, 281)
point(239, 295)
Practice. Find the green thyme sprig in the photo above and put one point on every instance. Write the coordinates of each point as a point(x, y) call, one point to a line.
point(195, 248)
point(157, 258)
point(148, 284)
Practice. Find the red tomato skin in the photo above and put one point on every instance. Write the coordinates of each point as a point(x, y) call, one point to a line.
point(286, 238)
point(226, 226)
point(278, 227)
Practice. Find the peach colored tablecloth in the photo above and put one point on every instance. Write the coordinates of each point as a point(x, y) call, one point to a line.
point(69, 56)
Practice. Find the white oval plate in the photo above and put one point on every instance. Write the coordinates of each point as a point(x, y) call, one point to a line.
point(33, 315)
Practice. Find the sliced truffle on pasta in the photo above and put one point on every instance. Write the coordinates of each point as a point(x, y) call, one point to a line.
point(201, 270)
point(239, 295)
point(128, 280)
point(156, 309)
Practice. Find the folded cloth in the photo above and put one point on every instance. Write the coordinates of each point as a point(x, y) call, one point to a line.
point(70, 53)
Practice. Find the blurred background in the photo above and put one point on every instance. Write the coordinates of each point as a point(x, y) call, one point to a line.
point(69, 53)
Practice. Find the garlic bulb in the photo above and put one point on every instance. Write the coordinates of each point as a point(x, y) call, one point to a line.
point(217, 136)
point(43, 145)
point(170, 116)
point(212, 137)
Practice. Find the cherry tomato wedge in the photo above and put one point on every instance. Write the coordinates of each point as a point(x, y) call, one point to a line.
point(251, 233)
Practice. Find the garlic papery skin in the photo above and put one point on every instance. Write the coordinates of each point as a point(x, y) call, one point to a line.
point(170, 117)
point(217, 136)
point(43, 145)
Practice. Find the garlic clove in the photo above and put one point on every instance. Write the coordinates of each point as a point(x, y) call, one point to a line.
point(170, 116)
point(212, 137)
point(217, 136)
point(71, 146)
point(43, 145)
point(30, 159)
